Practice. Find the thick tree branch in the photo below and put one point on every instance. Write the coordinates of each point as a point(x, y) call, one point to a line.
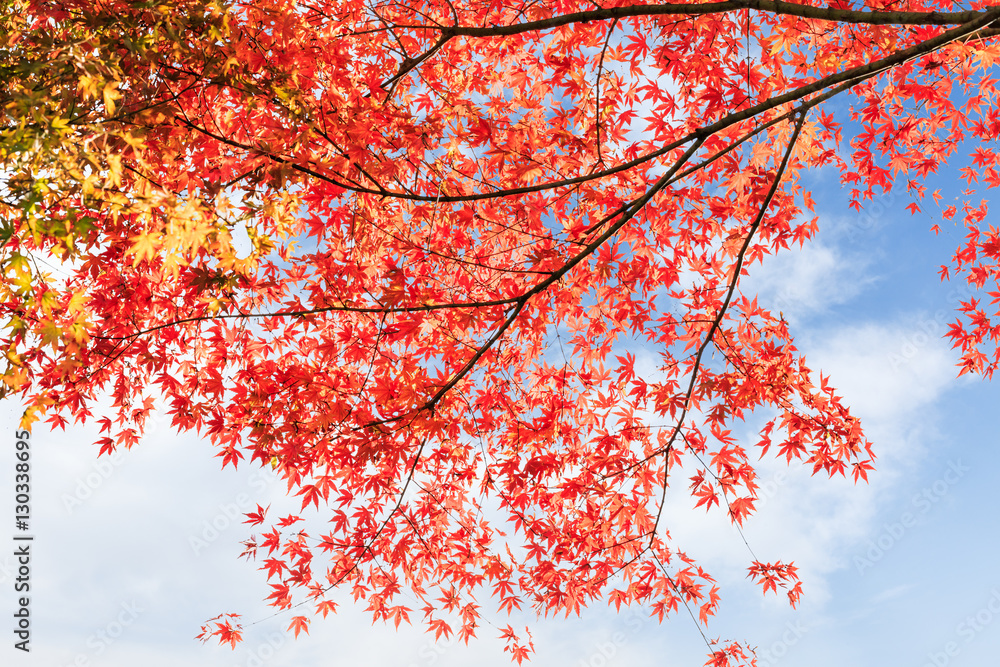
point(841, 80)
point(630, 212)
point(854, 76)
point(768, 6)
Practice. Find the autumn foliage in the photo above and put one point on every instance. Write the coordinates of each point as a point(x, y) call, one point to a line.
point(490, 304)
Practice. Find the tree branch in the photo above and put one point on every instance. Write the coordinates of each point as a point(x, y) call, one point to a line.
point(768, 6)
point(717, 322)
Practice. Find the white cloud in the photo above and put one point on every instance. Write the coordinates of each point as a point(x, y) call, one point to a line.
point(801, 281)
point(887, 372)
point(892, 593)
point(814, 521)
point(130, 540)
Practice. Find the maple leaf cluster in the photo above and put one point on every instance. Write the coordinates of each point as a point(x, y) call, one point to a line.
point(462, 222)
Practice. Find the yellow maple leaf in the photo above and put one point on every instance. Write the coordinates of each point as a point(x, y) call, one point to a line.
point(144, 246)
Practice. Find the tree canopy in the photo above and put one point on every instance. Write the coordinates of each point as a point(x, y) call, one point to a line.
point(464, 219)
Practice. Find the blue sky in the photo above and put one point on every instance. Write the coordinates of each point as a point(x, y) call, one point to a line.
point(132, 554)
